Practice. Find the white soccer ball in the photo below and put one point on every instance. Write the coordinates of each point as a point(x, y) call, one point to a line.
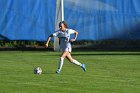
point(37, 70)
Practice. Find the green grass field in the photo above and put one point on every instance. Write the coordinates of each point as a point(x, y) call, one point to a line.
point(107, 72)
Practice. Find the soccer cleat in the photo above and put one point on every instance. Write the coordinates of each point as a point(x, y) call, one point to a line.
point(83, 67)
point(58, 72)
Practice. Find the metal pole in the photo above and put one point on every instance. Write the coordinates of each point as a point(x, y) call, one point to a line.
point(62, 10)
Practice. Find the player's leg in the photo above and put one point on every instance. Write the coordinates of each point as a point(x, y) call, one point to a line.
point(69, 57)
point(61, 61)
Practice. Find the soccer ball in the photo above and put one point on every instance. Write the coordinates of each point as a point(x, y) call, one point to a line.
point(37, 70)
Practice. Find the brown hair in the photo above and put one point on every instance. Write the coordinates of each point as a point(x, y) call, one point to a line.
point(63, 22)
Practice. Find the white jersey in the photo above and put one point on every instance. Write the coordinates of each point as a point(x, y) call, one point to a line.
point(64, 39)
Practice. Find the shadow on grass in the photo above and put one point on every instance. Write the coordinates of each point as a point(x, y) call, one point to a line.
point(102, 54)
point(80, 51)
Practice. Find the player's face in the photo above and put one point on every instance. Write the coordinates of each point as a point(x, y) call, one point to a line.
point(62, 27)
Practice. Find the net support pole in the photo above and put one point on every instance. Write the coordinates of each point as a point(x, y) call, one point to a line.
point(59, 16)
point(62, 10)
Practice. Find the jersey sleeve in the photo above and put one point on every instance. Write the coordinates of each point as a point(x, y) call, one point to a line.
point(71, 31)
point(55, 34)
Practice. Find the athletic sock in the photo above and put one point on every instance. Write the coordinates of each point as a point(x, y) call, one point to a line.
point(60, 64)
point(76, 62)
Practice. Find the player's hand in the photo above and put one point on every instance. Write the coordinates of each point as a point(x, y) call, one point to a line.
point(46, 45)
point(72, 40)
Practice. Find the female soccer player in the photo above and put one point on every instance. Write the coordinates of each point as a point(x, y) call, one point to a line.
point(65, 44)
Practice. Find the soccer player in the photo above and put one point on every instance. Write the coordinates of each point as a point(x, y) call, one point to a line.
point(65, 44)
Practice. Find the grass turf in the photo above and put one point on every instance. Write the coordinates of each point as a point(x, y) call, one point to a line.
point(107, 72)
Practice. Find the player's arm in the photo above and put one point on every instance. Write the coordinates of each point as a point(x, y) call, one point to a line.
point(75, 36)
point(48, 40)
